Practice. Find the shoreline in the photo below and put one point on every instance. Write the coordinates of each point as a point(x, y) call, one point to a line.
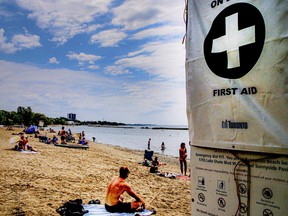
point(134, 138)
point(127, 126)
point(40, 183)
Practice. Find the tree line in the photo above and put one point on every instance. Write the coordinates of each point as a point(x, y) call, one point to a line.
point(26, 117)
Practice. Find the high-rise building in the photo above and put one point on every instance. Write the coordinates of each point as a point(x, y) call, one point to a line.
point(71, 116)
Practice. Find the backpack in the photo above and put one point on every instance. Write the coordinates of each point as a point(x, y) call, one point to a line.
point(71, 208)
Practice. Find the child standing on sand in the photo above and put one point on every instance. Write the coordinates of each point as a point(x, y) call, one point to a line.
point(182, 158)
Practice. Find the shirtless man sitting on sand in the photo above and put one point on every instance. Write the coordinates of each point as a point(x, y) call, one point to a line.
point(114, 199)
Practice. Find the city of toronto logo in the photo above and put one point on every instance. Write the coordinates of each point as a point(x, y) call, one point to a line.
point(235, 41)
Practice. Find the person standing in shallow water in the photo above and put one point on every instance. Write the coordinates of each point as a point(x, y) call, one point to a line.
point(149, 142)
point(163, 146)
point(182, 158)
point(83, 134)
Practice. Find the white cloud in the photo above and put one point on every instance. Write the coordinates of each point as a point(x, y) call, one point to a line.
point(82, 57)
point(18, 42)
point(156, 100)
point(108, 38)
point(53, 60)
point(147, 84)
point(91, 28)
point(59, 91)
point(6, 47)
point(93, 67)
point(116, 70)
point(65, 19)
point(159, 21)
point(52, 92)
point(162, 59)
point(26, 41)
point(138, 14)
point(162, 31)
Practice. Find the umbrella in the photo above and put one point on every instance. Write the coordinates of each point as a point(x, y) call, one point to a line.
point(14, 139)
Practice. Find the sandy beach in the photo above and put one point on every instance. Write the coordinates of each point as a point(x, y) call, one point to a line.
point(37, 184)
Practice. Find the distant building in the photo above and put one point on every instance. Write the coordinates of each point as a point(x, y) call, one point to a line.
point(71, 116)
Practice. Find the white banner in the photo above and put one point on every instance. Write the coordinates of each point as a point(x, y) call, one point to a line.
point(237, 74)
point(221, 185)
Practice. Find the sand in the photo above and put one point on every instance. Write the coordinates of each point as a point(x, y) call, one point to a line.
point(37, 184)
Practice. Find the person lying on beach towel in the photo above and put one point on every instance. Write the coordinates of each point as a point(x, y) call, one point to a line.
point(166, 175)
point(173, 176)
point(114, 199)
point(170, 175)
point(10, 128)
point(19, 134)
point(42, 138)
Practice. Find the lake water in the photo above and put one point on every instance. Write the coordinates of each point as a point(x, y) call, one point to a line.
point(136, 138)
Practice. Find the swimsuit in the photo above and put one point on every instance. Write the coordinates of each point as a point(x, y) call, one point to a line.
point(119, 207)
point(183, 154)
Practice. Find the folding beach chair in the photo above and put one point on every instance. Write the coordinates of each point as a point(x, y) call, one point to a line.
point(148, 155)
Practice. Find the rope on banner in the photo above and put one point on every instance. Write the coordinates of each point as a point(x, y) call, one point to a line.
point(247, 162)
point(185, 18)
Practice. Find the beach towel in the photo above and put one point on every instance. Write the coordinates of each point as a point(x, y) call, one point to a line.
point(95, 209)
point(28, 152)
point(173, 176)
point(167, 175)
point(186, 178)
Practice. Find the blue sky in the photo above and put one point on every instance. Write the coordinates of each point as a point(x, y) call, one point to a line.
point(113, 60)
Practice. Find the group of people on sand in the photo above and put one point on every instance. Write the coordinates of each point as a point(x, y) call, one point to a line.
point(48, 140)
point(182, 156)
point(65, 136)
point(68, 136)
point(23, 144)
point(82, 140)
point(114, 201)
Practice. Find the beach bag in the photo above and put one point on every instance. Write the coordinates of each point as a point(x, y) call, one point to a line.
point(72, 208)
